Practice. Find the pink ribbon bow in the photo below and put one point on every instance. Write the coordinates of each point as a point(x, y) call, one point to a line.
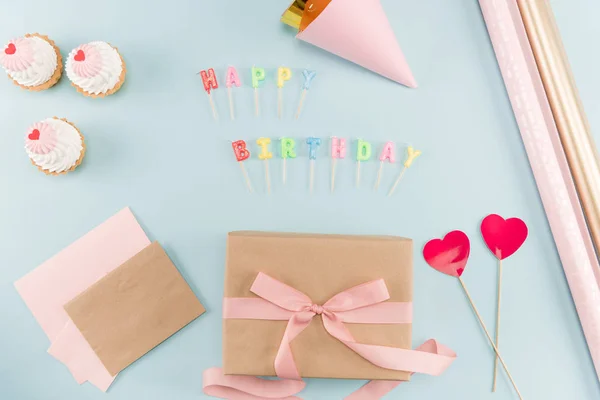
point(364, 303)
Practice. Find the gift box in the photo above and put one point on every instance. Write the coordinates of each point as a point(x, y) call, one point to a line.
point(316, 267)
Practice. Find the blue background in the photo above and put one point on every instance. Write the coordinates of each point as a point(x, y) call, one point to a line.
point(154, 147)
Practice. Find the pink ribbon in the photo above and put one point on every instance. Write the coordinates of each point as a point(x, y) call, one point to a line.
point(366, 303)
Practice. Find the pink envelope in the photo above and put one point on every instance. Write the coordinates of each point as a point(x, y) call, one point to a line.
point(46, 289)
point(359, 31)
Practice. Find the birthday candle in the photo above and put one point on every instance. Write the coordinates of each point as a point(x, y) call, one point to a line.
point(308, 77)
point(388, 153)
point(313, 146)
point(265, 155)
point(258, 75)
point(338, 150)
point(287, 151)
point(283, 74)
point(231, 79)
point(209, 79)
point(412, 155)
point(363, 153)
point(242, 154)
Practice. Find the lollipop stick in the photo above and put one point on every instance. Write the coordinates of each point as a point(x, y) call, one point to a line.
point(284, 171)
point(231, 113)
point(256, 110)
point(489, 337)
point(379, 175)
point(212, 106)
point(267, 177)
point(357, 174)
point(299, 110)
point(497, 323)
point(397, 182)
point(246, 177)
point(279, 102)
point(333, 162)
point(312, 175)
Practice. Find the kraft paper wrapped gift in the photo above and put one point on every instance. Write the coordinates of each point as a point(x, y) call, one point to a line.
point(319, 266)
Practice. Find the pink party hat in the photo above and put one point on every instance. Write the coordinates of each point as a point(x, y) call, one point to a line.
point(359, 31)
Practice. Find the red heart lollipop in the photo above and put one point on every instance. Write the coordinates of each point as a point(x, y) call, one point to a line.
point(448, 255)
point(503, 237)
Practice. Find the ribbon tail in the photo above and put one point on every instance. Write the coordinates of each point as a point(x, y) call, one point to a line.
point(374, 390)
point(285, 366)
point(237, 387)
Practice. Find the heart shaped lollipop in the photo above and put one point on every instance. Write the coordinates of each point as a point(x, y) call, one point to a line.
point(448, 255)
point(503, 237)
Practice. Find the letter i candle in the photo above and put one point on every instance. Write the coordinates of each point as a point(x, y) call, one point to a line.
point(338, 150)
point(231, 79)
point(308, 77)
point(287, 151)
point(258, 75)
point(265, 155)
point(209, 80)
point(388, 153)
point(283, 74)
point(241, 155)
point(313, 146)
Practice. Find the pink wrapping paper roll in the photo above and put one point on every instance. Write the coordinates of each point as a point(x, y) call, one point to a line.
point(548, 162)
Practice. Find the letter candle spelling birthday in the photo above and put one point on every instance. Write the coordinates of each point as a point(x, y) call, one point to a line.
point(231, 79)
point(209, 79)
point(308, 77)
point(258, 75)
point(338, 150)
point(265, 155)
point(242, 154)
point(388, 153)
point(283, 74)
point(412, 155)
point(313, 145)
point(287, 151)
point(363, 153)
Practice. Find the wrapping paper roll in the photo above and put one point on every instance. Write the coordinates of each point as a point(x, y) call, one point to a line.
point(548, 162)
point(571, 121)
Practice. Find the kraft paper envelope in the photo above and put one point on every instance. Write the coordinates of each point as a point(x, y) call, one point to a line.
point(46, 289)
point(134, 308)
point(319, 266)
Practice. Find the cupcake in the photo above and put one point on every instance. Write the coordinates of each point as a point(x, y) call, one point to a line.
point(96, 69)
point(32, 62)
point(55, 146)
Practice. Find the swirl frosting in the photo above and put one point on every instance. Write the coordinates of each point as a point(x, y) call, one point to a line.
point(95, 67)
point(30, 61)
point(53, 145)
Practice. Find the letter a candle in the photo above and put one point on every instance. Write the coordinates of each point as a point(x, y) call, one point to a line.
point(449, 256)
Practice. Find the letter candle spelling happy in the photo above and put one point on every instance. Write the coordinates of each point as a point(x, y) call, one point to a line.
point(388, 153)
point(283, 74)
point(231, 79)
point(287, 151)
point(242, 154)
point(265, 155)
point(209, 80)
point(412, 155)
point(313, 145)
point(258, 75)
point(338, 150)
point(308, 77)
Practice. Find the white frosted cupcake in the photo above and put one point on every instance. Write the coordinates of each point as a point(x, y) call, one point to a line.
point(55, 146)
point(96, 69)
point(33, 62)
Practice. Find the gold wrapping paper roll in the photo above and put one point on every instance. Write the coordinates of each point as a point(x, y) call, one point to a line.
point(569, 115)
